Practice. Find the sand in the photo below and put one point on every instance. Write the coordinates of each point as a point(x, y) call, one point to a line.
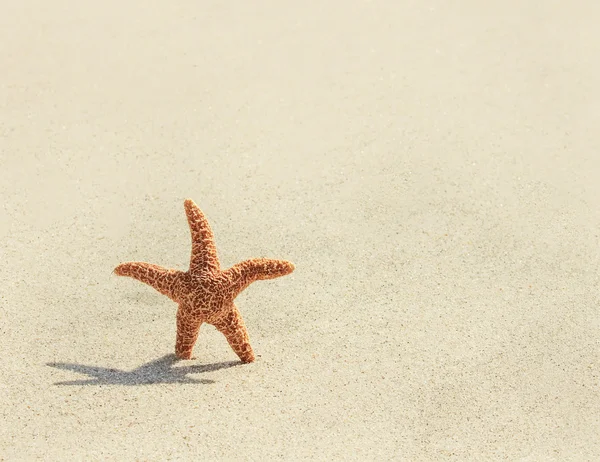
point(431, 168)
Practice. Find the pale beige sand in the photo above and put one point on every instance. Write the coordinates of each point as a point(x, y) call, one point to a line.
point(432, 169)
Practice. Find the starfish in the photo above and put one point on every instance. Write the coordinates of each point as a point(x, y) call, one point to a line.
point(205, 293)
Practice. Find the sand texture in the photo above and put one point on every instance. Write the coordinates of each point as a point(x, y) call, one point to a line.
point(432, 169)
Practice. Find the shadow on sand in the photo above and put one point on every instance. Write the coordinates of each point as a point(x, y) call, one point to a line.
point(160, 370)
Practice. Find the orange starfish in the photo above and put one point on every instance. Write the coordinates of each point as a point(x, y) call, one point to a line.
point(205, 293)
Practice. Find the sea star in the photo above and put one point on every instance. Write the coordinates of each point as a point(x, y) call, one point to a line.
point(205, 293)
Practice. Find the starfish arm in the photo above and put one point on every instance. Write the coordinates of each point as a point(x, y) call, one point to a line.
point(233, 328)
point(188, 328)
point(166, 281)
point(245, 273)
point(204, 253)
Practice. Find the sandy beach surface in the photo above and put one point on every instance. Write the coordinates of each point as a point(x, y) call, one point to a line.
point(431, 168)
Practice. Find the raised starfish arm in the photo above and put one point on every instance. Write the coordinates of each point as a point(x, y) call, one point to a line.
point(204, 253)
point(245, 273)
point(162, 279)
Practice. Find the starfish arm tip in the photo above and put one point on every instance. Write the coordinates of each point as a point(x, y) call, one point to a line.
point(120, 269)
point(290, 267)
point(190, 205)
point(275, 268)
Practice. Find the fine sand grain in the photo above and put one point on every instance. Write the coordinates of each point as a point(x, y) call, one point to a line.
point(431, 168)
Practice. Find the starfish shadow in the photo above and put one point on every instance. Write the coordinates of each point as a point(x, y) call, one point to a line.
point(160, 370)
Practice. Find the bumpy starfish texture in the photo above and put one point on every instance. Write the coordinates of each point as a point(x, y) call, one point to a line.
point(205, 293)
